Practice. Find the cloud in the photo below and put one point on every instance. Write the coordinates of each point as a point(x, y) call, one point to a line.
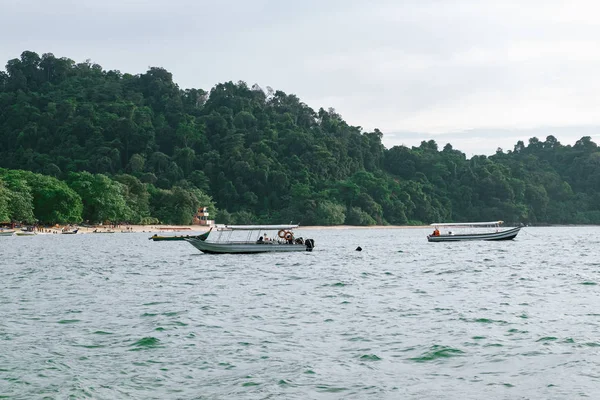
point(433, 66)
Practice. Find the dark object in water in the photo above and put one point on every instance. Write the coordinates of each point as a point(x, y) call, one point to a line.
point(310, 244)
point(359, 248)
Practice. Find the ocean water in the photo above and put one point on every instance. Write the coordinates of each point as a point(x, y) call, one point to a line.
point(121, 317)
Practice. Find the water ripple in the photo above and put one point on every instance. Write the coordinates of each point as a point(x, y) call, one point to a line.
point(118, 316)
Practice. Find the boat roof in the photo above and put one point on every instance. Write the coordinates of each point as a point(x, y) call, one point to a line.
point(256, 227)
point(491, 223)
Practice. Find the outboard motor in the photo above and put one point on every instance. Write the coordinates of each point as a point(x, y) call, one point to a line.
point(310, 244)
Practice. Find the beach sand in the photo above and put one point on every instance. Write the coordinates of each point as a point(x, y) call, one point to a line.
point(170, 230)
point(200, 229)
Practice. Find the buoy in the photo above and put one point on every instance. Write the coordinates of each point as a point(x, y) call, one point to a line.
point(359, 248)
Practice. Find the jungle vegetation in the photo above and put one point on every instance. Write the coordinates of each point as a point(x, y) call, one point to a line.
point(80, 143)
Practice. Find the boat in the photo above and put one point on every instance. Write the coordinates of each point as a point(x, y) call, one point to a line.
point(157, 238)
point(29, 231)
point(471, 231)
point(68, 232)
point(25, 233)
point(7, 232)
point(247, 239)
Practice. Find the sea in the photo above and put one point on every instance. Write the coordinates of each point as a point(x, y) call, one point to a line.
point(118, 316)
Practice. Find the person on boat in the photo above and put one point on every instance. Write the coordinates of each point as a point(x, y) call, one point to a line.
point(436, 232)
point(260, 240)
point(266, 239)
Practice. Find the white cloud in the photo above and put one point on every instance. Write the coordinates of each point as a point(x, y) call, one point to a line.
point(432, 66)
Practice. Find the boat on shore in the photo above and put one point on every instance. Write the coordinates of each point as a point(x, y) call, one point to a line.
point(69, 232)
point(472, 231)
point(28, 231)
point(7, 232)
point(249, 239)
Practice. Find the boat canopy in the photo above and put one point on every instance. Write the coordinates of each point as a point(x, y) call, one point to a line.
point(492, 223)
point(256, 227)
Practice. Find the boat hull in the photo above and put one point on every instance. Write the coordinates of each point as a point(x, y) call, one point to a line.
point(167, 238)
point(244, 247)
point(7, 233)
point(508, 234)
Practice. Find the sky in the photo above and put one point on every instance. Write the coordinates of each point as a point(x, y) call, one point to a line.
point(478, 74)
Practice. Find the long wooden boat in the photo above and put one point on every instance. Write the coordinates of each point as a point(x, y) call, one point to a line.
point(248, 239)
point(67, 232)
point(158, 238)
point(472, 231)
point(7, 232)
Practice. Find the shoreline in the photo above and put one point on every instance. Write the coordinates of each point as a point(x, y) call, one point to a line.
point(198, 228)
point(170, 230)
point(178, 230)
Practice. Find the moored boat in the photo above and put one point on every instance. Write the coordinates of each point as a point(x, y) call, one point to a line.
point(246, 239)
point(29, 231)
point(7, 232)
point(472, 231)
point(69, 232)
point(158, 238)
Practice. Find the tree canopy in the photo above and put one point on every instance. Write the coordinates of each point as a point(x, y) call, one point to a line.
point(80, 143)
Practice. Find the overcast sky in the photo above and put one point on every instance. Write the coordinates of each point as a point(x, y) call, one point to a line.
point(477, 74)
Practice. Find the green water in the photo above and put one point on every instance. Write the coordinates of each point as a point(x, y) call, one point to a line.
point(122, 317)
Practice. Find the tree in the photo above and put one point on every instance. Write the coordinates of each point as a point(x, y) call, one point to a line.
point(103, 199)
point(329, 213)
point(20, 198)
point(4, 209)
point(54, 201)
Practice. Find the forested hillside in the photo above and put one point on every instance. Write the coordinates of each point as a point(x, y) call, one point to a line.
point(81, 143)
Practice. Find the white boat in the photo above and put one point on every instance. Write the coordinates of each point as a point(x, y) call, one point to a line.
point(7, 232)
point(106, 231)
point(29, 231)
point(244, 239)
point(472, 231)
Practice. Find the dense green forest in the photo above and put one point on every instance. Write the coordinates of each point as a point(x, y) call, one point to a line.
point(79, 143)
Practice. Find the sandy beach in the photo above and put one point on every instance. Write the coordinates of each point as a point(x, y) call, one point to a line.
point(196, 229)
point(127, 229)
